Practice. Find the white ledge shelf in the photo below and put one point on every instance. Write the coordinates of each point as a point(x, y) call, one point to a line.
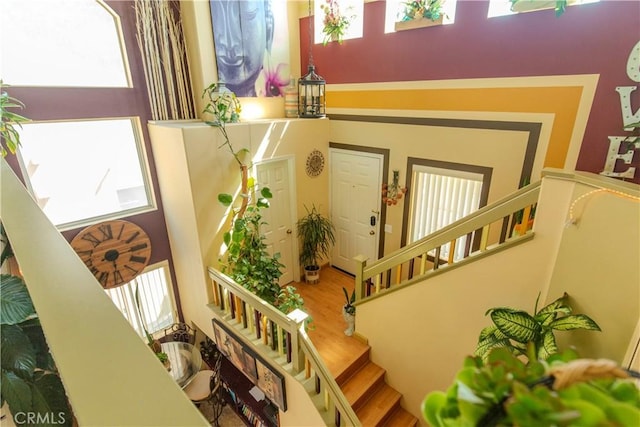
point(416, 23)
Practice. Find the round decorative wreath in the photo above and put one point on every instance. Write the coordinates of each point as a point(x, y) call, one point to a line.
point(315, 163)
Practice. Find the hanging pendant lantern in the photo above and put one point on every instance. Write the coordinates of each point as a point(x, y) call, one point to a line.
point(311, 100)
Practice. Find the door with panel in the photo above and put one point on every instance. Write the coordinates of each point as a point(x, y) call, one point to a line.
point(356, 179)
point(278, 217)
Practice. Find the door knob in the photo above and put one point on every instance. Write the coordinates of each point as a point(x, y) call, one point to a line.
point(289, 231)
point(372, 232)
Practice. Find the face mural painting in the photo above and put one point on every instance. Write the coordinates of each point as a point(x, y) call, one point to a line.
point(244, 32)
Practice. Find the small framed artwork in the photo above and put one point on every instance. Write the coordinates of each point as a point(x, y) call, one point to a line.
point(254, 367)
point(249, 366)
point(223, 340)
point(271, 382)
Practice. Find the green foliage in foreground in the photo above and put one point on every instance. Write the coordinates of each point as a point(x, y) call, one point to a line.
point(501, 391)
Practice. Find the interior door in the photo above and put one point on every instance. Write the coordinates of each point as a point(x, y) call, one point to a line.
point(278, 230)
point(356, 179)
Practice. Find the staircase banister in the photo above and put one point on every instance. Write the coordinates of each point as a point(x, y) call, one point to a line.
point(272, 313)
point(334, 390)
point(506, 206)
point(299, 338)
point(593, 180)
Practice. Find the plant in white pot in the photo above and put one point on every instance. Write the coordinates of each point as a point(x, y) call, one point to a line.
point(316, 234)
point(349, 311)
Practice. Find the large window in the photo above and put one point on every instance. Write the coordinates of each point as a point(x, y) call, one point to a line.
point(156, 302)
point(442, 193)
point(71, 43)
point(83, 154)
point(85, 169)
point(351, 9)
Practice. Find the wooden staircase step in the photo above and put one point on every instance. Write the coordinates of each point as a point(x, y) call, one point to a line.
point(361, 385)
point(377, 410)
point(353, 366)
point(401, 418)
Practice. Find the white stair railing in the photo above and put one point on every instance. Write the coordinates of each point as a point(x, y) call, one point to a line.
point(494, 227)
point(280, 337)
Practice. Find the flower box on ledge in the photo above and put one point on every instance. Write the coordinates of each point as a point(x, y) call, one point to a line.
point(416, 23)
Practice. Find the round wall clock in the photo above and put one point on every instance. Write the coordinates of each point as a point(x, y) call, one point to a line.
point(315, 163)
point(115, 251)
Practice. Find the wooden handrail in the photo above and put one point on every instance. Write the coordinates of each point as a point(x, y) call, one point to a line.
point(228, 296)
point(475, 224)
point(331, 387)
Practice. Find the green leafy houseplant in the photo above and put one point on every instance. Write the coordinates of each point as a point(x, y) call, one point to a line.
point(8, 122)
point(531, 336)
point(559, 7)
point(247, 259)
point(316, 233)
point(417, 9)
point(503, 390)
point(349, 308)
point(335, 23)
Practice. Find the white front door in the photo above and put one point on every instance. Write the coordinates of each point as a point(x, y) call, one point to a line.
point(356, 179)
point(278, 230)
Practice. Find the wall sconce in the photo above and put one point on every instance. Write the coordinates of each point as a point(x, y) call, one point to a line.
point(393, 192)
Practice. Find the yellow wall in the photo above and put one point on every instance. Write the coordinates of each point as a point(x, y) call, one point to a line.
point(192, 169)
point(449, 309)
point(597, 265)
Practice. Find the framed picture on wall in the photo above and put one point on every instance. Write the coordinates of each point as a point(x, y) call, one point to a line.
point(249, 365)
point(254, 367)
point(271, 382)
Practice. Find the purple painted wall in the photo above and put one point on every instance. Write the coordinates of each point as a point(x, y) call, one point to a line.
point(588, 39)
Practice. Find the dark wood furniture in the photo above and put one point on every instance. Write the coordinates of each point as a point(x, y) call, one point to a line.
point(234, 388)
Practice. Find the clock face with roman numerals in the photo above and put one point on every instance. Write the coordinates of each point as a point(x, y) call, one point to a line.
point(115, 251)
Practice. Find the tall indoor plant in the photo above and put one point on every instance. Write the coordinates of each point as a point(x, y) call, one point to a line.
point(316, 233)
point(247, 259)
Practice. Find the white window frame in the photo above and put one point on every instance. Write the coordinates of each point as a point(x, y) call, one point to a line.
point(347, 7)
point(447, 178)
point(124, 299)
point(144, 172)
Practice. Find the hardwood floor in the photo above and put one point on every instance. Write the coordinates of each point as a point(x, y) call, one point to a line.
point(347, 358)
point(324, 301)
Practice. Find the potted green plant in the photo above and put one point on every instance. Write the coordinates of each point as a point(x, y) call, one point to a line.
point(247, 259)
point(9, 121)
point(531, 336)
point(316, 232)
point(503, 391)
point(499, 387)
point(335, 23)
point(420, 13)
point(559, 6)
point(349, 311)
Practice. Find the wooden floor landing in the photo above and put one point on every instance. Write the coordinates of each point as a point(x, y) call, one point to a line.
point(324, 301)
